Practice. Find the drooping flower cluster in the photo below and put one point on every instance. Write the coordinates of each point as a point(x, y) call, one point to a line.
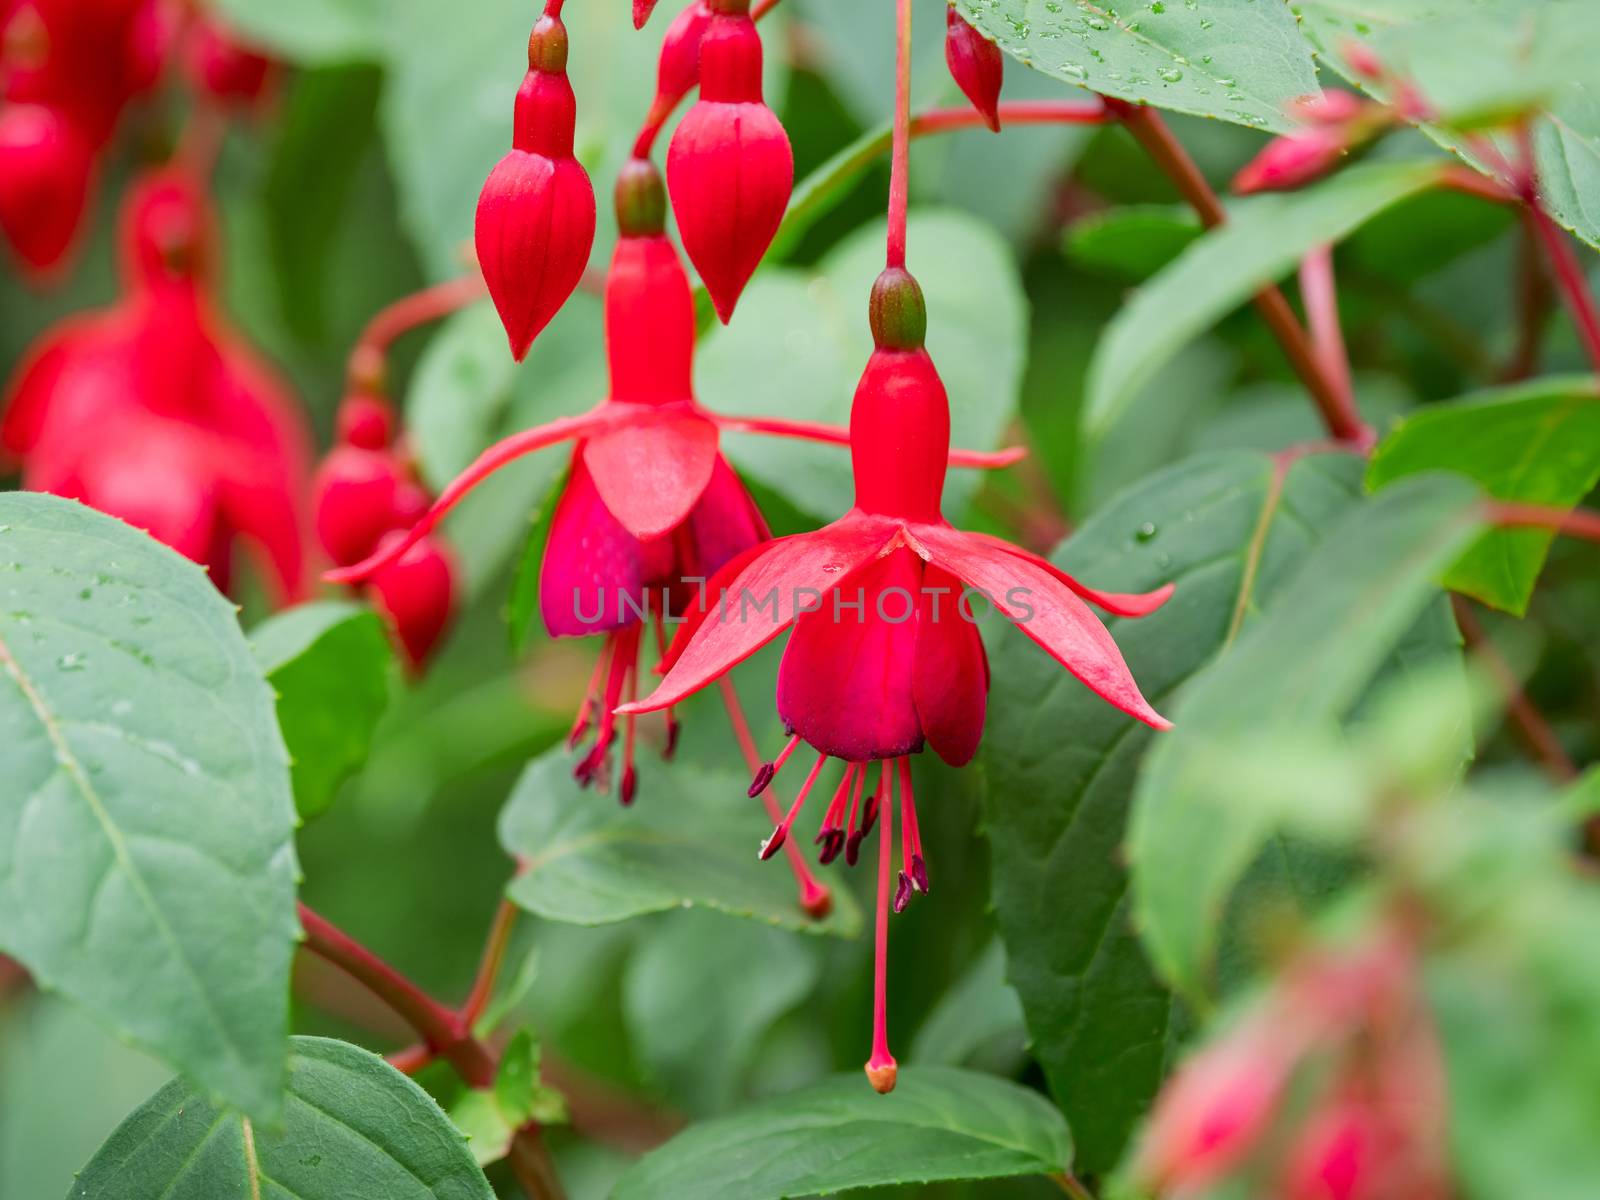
point(884, 658)
point(67, 71)
point(1345, 1032)
point(155, 411)
point(365, 495)
point(536, 214)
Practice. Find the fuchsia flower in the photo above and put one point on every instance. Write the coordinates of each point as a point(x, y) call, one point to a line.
point(650, 504)
point(1294, 160)
point(45, 170)
point(641, 12)
point(154, 411)
point(224, 68)
point(884, 658)
point(976, 65)
point(536, 214)
point(730, 167)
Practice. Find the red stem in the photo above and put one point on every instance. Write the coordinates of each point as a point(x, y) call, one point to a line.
point(1578, 522)
point(814, 895)
point(1320, 294)
point(1340, 416)
point(494, 957)
point(367, 360)
point(900, 159)
point(1014, 112)
point(1570, 281)
point(1530, 722)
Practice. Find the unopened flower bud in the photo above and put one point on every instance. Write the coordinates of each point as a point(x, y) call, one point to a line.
point(416, 593)
point(1293, 161)
point(1327, 108)
point(45, 168)
point(354, 496)
point(976, 65)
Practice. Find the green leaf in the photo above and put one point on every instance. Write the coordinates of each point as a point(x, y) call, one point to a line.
point(491, 1117)
point(696, 1043)
point(332, 667)
point(353, 1128)
point(313, 31)
point(1133, 242)
point(1306, 664)
point(523, 605)
point(978, 1011)
point(1239, 60)
point(690, 840)
point(1229, 529)
point(1479, 61)
point(1265, 238)
point(1536, 442)
point(147, 864)
point(977, 333)
point(939, 1123)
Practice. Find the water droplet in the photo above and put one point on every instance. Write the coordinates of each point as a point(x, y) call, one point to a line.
point(70, 662)
point(1099, 23)
point(1171, 74)
point(86, 594)
point(1206, 23)
point(1146, 532)
point(1074, 70)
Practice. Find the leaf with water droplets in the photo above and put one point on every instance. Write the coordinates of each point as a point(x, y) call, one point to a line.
point(1240, 60)
point(147, 864)
point(353, 1128)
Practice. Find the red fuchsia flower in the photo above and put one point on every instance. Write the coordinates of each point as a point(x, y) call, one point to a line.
point(650, 505)
point(677, 70)
point(1294, 160)
point(67, 71)
point(45, 171)
point(641, 12)
point(224, 68)
point(884, 658)
point(976, 65)
point(536, 214)
point(730, 168)
point(160, 378)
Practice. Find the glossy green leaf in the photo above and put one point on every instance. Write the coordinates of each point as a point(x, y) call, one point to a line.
point(1131, 243)
point(1265, 238)
point(353, 1128)
point(1239, 60)
point(1536, 442)
point(978, 1012)
point(977, 331)
point(333, 667)
point(313, 30)
point(1229, 529)
point(147, 865)
point(689, 841)
point(697, 1044)
point(938, 1123)
point(1486, 60)
point(1337, 621)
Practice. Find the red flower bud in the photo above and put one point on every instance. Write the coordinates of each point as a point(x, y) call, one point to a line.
point(356, 497)
point(730, 168)
point(536, 215)
point(977, 66)
point(1327, 108)
point(365, 421)
point(1339, 1155)
point(1293, 161)
point(45, 166)
point(641, 12)
point(223, 68)
point(1364, 61)
point(416, 593)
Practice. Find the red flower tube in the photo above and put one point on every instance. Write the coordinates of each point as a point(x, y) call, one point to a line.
point(884, 659)
point(730, 168)
point(536, 214)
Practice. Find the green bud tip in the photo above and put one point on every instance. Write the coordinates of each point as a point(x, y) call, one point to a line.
point(641, 199)
point(547, 46)
point(898, 312)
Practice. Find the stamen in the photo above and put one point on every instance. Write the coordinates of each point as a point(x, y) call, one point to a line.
point(592, 769)
point(630, 777)
point(769, 771)
point(912, 862)
point(852, 841)
point(830, 836)
point(781, 834)
point(881, 1067)
point(585, 717)
point(673, 726)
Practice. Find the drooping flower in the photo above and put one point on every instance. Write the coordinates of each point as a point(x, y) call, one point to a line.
point(976, 65)
point(677, 70)
point(161, 373)
point(45, 171)
point(536, 213)
point(221, 66)
point(730, 167)
point(650, 505)
point(884, 658)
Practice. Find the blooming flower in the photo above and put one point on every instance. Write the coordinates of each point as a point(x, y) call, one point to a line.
point(650, 505)
point(906, 667)
point(160, 378)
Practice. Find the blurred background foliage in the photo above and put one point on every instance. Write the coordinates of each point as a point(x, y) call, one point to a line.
point(358, 186)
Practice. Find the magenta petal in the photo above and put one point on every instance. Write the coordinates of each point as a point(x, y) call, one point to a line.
point(1048, 611)
point(651, 474)
point(761, 600)
point(593, 577)
point(951, 685)
point(845, 685)
point(1119, 604)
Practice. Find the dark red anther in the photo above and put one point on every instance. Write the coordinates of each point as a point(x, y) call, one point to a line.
point(902, 892)
point(763, 779)
point(976, 65)
point(852, 848)
point(919, 874)
point(832, 842)
point(629, 787)
point(773, 844)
